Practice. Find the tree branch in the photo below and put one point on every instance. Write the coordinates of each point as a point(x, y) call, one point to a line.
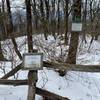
point(12, 72)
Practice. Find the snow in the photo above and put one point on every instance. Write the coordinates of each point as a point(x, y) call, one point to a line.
point(13, 93)
point(75, 85)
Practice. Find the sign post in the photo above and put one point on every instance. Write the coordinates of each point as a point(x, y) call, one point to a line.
point(32, 62)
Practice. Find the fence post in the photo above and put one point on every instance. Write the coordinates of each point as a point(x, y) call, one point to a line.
point(32, 79)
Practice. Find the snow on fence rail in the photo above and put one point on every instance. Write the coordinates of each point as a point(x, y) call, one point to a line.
point(73, 67)
point(60, 66)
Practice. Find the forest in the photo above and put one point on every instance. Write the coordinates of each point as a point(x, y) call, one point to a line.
point(61, 30)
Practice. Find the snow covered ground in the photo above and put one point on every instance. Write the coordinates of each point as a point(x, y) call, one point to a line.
point(75, 85)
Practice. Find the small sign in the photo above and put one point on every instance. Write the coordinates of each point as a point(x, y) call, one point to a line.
point(32, 61)
point(77, 19)
point(76, 27)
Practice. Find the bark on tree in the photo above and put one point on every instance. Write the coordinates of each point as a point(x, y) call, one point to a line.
point(66, 21)
point(58, 17)
point(47, 9)
point(52, 15)
point(10, 29)
point(35, 14)
point(29, 25)
point(71, 59)
point(1, 54)
point(43, 21)
point(84, 19)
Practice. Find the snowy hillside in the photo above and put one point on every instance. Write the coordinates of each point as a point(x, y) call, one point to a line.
point(75, 85)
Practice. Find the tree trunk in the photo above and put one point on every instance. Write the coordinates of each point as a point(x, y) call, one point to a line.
point(66, 21)
point(44, 28)
point(71, 59)
point(53, 21)
point(35, 14)
point(32, 75)
point(1, 54)
point(85, 25)
point(58, 20)
point(73, 48)
point(29, 25)
point(10, 29)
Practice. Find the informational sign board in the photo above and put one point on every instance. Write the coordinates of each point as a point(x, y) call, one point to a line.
point(32, 61)
point(76, 27)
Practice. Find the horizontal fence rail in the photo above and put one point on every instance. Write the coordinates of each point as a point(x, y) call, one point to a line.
point(60, 66)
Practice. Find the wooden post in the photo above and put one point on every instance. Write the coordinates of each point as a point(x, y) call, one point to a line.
point(32, 79)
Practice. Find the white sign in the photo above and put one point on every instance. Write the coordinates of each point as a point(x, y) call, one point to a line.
point(33, 61)
point(76, 27)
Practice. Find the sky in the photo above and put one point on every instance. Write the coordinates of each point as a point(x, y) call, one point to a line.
point(17, 3)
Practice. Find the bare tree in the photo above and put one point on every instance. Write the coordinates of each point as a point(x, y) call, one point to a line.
point(71, 58)
point(66, 21)
point(10, 29)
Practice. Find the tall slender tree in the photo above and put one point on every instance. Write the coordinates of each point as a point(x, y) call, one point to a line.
point(10, 29)
point(35, 14)
point(71, 58)
point(32, 75)
point(29, 25)
point(66, 21)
